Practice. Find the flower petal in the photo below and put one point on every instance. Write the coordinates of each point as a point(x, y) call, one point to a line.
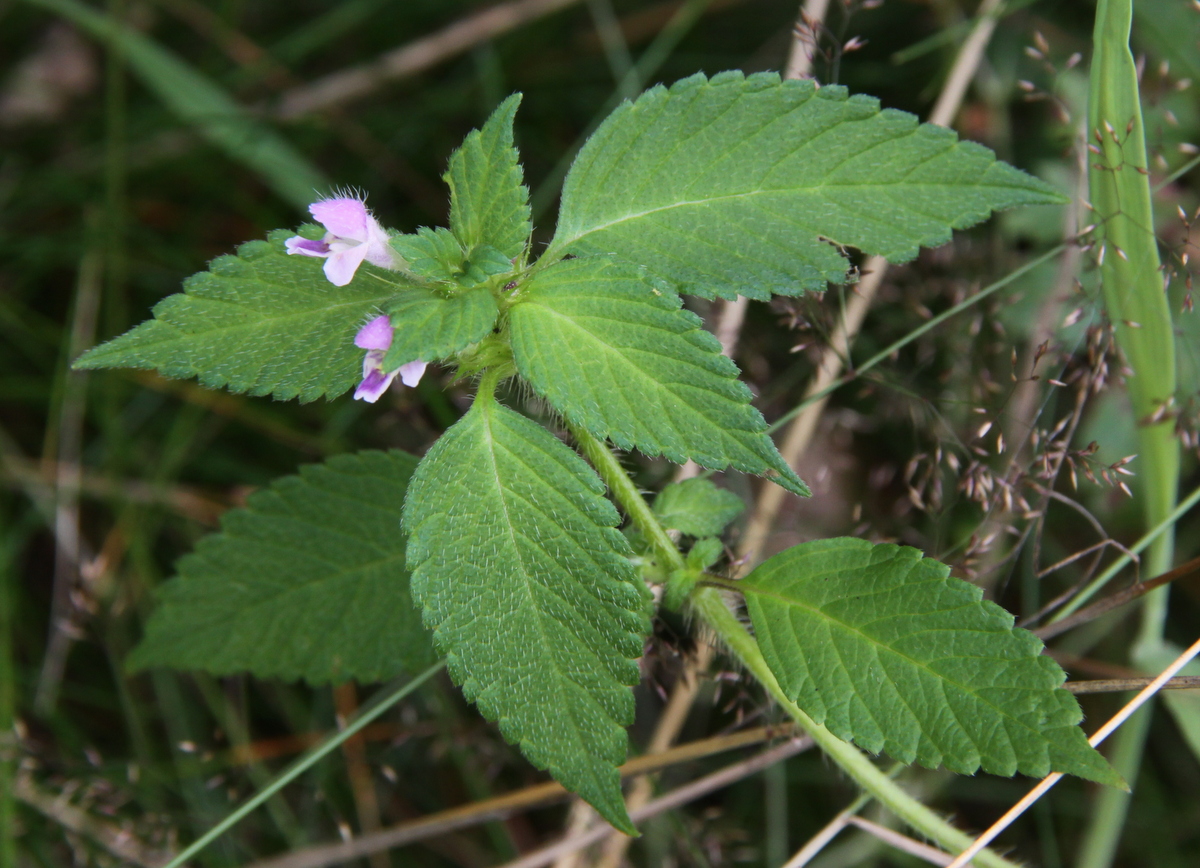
point(379, 251)
point(373, 386)
point(306, 247)
point(344, 217)
point(411, 373)
point(375, 335)
point(341, 264)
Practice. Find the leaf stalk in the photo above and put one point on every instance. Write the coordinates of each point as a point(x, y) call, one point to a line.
point(708, 604)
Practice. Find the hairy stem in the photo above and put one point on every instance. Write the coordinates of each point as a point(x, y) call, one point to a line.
point(708, 604)
point(631, 500)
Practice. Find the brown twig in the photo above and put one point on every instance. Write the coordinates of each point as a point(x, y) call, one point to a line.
point(674, 799)
point(1114, 601)
point(115, 840)
point(362, 786)
point(900, 841)
point(1120, 685)
point(30, 475)
point(358, 81)
point(500, 807)
point(69, 550)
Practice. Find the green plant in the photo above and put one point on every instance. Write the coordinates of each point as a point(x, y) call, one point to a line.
point(713, 187)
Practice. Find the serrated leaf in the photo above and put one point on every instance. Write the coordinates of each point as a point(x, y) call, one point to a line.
point(530, 593)
point(622, 359)
point(489, 204)
point(307, 581)
point(261, 322)
point(435, 255)
point(697, 507)
point(729, 185)
point(431, 253)
point(430, 324)
point(887, 650)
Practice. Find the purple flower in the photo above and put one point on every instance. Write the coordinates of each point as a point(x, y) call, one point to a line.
point(352, 234)
point(375, 337)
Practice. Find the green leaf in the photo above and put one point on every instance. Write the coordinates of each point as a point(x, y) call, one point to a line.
point(307, 581)
point(885, 649)
point(489, 205)
point(435, 254)
point(621, 358)
point(433, 325)
point(261, 322)
point(431, 253)
point(530, 593)
point(744, 185)
point(1171, 29)
point(697, 507)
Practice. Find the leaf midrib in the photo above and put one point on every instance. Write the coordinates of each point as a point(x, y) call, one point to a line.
point(266, 319)
point(548, 657)
point(560, 245)
point(877, 644)
point(610, 351)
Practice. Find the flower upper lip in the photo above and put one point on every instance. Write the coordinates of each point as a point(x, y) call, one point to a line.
point(352, 236)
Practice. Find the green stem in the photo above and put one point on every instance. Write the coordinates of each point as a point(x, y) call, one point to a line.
point(304, 764)
point(631, 500)
point(707, 602)
point(709, 605)
point(487, 385)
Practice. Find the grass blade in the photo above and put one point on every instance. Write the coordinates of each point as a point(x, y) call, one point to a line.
point(203, 105)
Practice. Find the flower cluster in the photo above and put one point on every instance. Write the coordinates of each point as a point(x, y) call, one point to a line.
point(354, 236)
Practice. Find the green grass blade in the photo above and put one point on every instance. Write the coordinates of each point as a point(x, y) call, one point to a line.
point(304, 764)
point(204, 106)
point(1119, 187)
point(1130, 267)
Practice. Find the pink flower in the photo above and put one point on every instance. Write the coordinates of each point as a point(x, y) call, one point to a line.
point(375, 337)
point(352, 234)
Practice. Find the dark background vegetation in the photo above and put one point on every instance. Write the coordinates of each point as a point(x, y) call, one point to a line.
point(108, 200)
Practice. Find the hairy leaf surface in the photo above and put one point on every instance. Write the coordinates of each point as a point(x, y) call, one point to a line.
point(621, 358)
point(261, 322)
point(431, 253)
point(489, 204)
point(307, 581)
point(433, 325)
point(730, 185)
point(697, 507)
point(530, 593)
point(887, 650)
